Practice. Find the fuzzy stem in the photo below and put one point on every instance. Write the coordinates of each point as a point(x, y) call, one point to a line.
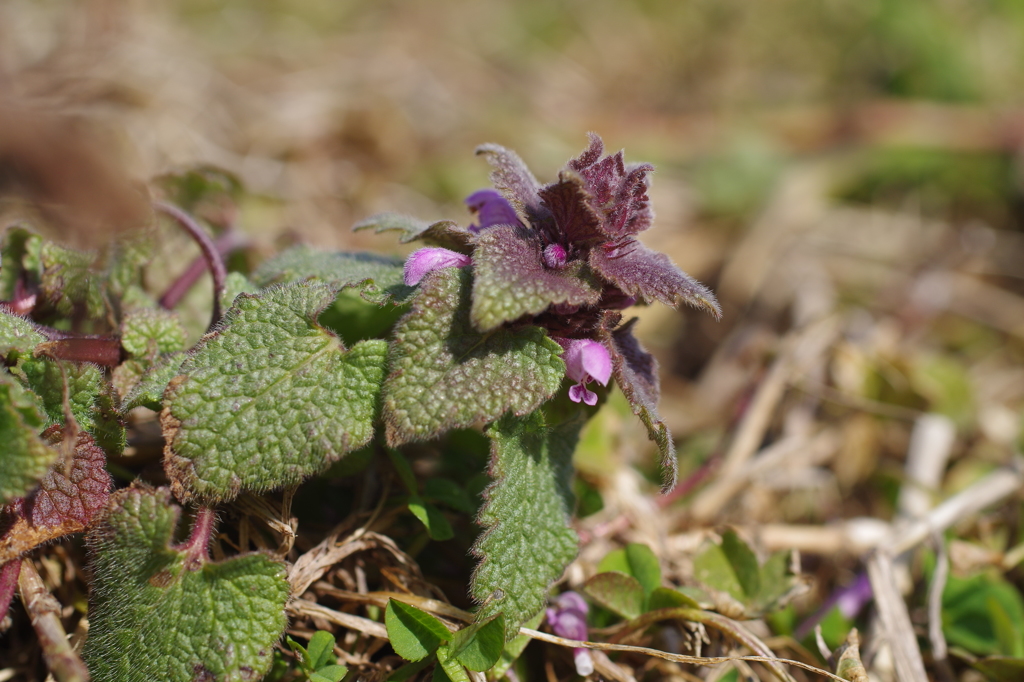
point(197, 545)
point(104, 351)
point(8, 585)
point(210, 253)
point(44, 610)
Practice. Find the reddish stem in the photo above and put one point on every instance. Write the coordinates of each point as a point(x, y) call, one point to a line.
point(226, 244)
point(8, 584)
point(197, 545)
point(104, 351)
point(210, 254)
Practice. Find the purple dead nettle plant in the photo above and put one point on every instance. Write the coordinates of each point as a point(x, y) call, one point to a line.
point(565, 257)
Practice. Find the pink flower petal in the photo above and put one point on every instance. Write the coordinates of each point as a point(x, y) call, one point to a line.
point(580, 393)
point(432, 258)
point(585, 360)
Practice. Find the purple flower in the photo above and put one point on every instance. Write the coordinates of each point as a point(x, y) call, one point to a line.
point(491, 208)
point(591, 218)
point(585, 361)
point(568, 618)
point(429, 259)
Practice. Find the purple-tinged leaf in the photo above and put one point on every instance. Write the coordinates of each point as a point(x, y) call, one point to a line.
point(616, 192)
point(511, 280)
point(446, 375)
point(648, 275)
point(636, 373)
point(445, 233)
point(513, 179)
point(576, 221)
point(66, 501)
point(70, 500)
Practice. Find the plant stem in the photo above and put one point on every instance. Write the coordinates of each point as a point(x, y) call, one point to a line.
point(726, 626)
point(44, 610)
point(105, 351)
point(197, 545)
point(210, 253)
point(8, 584)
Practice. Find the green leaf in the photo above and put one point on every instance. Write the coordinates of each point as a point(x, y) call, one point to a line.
point(617, 592)
point(236, 283)
point(444, 233)
point(636, 560)
point(270, 398)
point(968, 619)
point(1000, 668)
point(743, 562)
point(527, 542)
point(479, 646)
point(321, 649)
point(514, 648)
point(414, 634)
point(713, 568)
point(449, 666)
point(148, 332)
point(25, 458)
point(18, 254)
point(404, 471)
point(18, 337)
point(148, 390)
point(445, 375)
point(68, 282)
point(431, 517)
point(378, 278)
point(87, 394)
point(163, 612)
point(512, 280)
point(329, 673)
point(448, 492)
point(667, 598)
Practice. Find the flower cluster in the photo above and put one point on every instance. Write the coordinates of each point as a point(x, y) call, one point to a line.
point(581, 234)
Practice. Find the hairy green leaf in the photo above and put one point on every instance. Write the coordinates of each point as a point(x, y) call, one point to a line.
point(86, 393)
point(68, 282)
point(414, 634)
point(270, 398)
point(24, 458)
point(511, 279)
point(18, 337)
point(379, 278)
point(147, 389)
point(446, 375)
point(527, 542)
point(148, 332)
point(163, 612)
point(444, 233)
